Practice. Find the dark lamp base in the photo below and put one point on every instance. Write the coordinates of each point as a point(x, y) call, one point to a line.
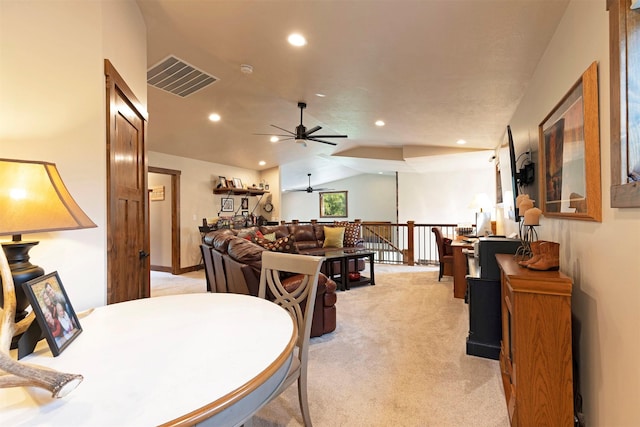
point(22, 271)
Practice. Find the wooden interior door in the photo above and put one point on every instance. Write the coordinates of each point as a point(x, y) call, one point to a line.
point(127, 217)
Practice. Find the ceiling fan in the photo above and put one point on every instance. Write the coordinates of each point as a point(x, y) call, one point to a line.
point(309, 189)
point(302, 134)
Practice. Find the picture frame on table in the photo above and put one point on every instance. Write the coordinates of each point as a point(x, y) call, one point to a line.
point(53, 310)
point(226, 204)
point(569, 143)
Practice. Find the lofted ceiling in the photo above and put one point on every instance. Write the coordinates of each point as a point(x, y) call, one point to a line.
point(435, 71)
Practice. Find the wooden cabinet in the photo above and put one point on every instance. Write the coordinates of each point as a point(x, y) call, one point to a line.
point(535, 354)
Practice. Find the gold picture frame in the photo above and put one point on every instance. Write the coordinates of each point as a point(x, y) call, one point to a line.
point(569, 144)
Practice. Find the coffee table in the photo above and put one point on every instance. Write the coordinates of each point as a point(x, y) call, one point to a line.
point(344, 255)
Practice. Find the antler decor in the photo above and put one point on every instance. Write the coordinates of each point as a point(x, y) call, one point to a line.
point(12, 372)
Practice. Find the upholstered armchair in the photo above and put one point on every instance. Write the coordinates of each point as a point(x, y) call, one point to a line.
point(445, 253)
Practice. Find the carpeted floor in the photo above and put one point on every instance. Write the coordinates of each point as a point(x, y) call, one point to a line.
point(397, 358)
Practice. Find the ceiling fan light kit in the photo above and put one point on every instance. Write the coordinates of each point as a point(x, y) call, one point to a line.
point(302, 134)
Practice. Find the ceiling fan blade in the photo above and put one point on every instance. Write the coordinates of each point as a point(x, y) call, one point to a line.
point(330, 136)
point(272, 134)
point(313, 129)
point(283, 129)
point(324, 142)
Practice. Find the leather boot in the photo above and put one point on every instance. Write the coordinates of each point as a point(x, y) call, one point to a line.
point(550, 259)
point(535, 253)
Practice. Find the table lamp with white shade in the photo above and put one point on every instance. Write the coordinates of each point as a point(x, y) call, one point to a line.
point(482, 204)
point(33, 199)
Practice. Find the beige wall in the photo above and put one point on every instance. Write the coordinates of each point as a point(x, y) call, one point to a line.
point(600, 257)
point(370, 197)
point(197, 201)
point(52, 107)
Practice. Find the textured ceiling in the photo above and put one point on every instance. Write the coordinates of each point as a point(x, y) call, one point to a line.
point(434, 71)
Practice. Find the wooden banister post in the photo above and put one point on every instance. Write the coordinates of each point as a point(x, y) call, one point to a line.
point(410, 228)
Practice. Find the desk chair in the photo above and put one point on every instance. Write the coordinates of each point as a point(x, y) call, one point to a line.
point(297, 294)
point(445, 252)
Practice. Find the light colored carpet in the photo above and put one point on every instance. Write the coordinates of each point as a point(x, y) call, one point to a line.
point(397, 358)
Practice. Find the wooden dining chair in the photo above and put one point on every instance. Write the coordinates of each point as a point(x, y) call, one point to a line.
point(209, 273)
point(297, 294)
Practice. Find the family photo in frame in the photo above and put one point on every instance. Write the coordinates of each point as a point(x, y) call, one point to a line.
point(53, 310)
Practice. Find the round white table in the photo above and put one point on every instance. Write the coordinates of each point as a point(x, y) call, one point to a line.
point(177, 360)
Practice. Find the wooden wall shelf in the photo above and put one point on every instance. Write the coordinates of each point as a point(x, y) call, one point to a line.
point(239, 191)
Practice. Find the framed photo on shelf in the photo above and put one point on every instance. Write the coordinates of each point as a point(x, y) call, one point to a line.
point(223, 182)
point(53, 310)
point(227, 204)
point(237, 183)
point(570, 153)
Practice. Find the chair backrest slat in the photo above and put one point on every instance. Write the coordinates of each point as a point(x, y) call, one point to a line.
point(275, 263)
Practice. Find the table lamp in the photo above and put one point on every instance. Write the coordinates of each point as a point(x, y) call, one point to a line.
point(482, 203)
point(34, 200)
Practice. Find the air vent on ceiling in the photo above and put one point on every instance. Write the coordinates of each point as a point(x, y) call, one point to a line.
point(176, 76)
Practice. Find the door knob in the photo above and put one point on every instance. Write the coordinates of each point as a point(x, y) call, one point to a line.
point(142, 254)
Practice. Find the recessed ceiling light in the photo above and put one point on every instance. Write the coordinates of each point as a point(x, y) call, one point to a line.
point(214, 117)
point(461, 142)
point(274, 139)
point(321, 95)
point(379, 123)
point(262, 163)
point(296, 39)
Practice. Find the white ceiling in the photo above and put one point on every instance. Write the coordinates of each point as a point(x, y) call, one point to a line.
point(434, 70)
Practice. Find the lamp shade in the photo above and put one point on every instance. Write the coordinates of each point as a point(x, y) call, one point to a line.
point(481, 201)
point(34, 199)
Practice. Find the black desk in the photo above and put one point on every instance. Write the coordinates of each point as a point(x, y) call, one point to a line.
point(485, 321)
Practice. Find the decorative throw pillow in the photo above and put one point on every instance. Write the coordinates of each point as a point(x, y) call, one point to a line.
point(333, 237)
point(270, 236)
point(249, 234)
point(283, 244)
point(351, 232)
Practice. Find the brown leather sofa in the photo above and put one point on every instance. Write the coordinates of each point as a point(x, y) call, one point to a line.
point(237, 263)
point(309, 240)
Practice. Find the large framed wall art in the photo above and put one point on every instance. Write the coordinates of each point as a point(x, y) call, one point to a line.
point(570, 184)
point(624, 59)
